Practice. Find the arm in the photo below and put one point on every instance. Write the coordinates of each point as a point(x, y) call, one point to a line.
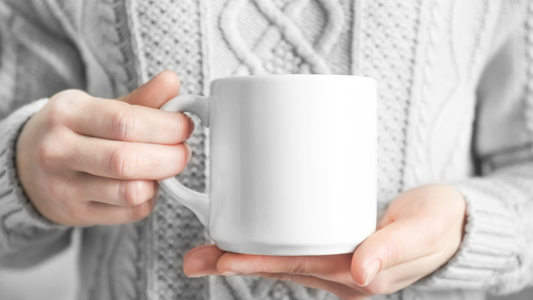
point(36, 61)
point(496, 250)
point(26, 238)
point(80, 160)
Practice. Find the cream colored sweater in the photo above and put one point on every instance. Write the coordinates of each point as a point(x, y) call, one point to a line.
point(455, 106)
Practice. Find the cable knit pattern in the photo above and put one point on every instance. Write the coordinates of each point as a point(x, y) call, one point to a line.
point(279, 37)
point(119, 61)
point(529, 57)
point(435, 61)
point(168, 36)
point(7, 63)
point(33, 48)
point(294, 36)
point(460, 60)
point(497, 233)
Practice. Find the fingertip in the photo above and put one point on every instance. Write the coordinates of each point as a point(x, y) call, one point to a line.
point(190, 127)
point(169, 81)
point(364, 257)
point(156, 92)
point(189, 152)
point(358, 270)
point(201, 261)
point(364, 274)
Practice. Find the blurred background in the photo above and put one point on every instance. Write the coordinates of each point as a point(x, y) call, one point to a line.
point(56, 279)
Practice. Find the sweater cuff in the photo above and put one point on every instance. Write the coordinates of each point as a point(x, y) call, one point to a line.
point(19, 220)
point(489, 246)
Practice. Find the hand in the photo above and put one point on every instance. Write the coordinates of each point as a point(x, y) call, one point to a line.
point(420, 232)
point(85, 161)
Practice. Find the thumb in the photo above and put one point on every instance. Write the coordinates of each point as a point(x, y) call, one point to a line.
point(400, 242)
point(156, 92)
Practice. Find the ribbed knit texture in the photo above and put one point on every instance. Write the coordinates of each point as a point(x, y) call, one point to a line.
point(21, 224)
point(429, 57)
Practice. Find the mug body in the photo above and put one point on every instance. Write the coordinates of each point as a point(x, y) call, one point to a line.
point(292, 163)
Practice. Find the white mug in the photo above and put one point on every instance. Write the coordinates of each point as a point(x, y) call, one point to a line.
point(292, 163)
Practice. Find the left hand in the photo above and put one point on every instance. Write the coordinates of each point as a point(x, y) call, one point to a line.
point(420, 232)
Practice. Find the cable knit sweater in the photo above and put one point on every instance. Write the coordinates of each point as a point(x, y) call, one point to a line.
point(455, 106)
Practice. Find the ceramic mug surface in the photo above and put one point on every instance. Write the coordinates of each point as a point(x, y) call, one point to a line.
point(292, 163)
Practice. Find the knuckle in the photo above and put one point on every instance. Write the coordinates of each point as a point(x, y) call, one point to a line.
point(45, 153)
point(71, 94)
point(48, 152)
point(123, 162)
point(57, 112)
point(130, 196)
point(53, 148)
point(127, 125)
point(59, 106)
point(136, 192)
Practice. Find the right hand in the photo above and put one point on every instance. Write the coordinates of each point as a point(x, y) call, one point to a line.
point(86, 161)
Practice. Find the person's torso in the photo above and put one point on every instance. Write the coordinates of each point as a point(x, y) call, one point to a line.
point(427, 56)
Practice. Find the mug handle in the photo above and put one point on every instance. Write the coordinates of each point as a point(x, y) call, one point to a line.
point(195, 201)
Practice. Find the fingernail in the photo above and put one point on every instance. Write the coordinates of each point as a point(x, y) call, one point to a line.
point(191, 126)
point(189, 152)
point(196, 275)
point(373, 269)
point(228, 273)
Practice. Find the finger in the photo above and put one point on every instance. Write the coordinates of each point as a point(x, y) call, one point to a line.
point(401, 276)
point(202, 261)
point(193, 250)
point(330, 267)
point(115, 120)
point(156, 92)
point(402, 241)
point(96, 213)
point(111, 191)
point(342, 291)
point(127, 161)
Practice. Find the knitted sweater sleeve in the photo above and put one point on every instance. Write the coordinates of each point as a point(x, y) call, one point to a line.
point(26, 237)
point(37, 60)
point(496, 253)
